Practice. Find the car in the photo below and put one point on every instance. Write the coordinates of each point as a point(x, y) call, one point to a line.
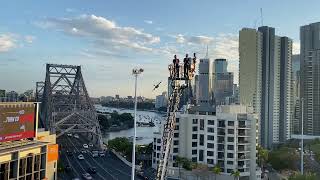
point(95, 154)
point(85, 146)
point(68, 168)
point(92, 170)
point(86, 176)
point(76, 178)
point(69, 134)
point(101, 154)
point(81, 157)
point(69, 153)
point(76, 136)
point(90, 145)
point(83, 151)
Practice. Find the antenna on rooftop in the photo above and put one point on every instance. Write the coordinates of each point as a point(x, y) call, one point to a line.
point(207, 53)
point(261, 16)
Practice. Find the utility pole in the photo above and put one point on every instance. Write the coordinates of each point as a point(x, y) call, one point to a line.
point(135, 72)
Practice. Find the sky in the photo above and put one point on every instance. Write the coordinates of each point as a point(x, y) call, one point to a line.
point(109, 38)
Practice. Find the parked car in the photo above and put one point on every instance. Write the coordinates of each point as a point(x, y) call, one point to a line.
point(87, 176)
point(85, 146)
point(92, 170)
point(81, 157)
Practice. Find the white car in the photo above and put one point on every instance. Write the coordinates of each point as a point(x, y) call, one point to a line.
point(69, 134)
point(76, 136)
point(87, 176)
point(95, 154)
point(101, 154)
point(83, 151)
point(85, 146)
point(81, 157)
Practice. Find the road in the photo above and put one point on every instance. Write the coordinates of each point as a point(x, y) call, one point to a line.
point(108, 167)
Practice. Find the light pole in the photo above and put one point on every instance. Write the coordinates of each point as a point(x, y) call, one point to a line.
point(301, 135)
point(135, 72)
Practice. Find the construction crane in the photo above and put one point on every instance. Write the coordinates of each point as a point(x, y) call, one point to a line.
point(180, 80)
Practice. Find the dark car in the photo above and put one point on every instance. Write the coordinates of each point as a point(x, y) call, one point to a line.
point(92, 170)
point(69, 153)
point(68, 168)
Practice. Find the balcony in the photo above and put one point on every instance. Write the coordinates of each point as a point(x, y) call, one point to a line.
point(221, 132)
point(242, 132)
point(242, 148)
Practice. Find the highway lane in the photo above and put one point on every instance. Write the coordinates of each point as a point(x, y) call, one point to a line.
point(109, 163)
point(87, 162)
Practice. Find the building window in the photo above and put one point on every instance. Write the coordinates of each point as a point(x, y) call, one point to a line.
point(194, 151)
point(201, 124)
point(209, 161)
point(201, 139)
point(230, 139)
point(194, 121)
point(159, 141)
point(194, 159)
point(177, 120)
point(200, 155)
point(158, 148)
point(175, 142)
point(176, 127)
point(210, 145)
point(230, 147)
point(230, 123)
point(202, 113)
point(211, 130)
point(230, 131)
point(229, 170)
point(230, 162)
point(229, 155)
point(176, 135)
point(210, 137)
point(194, 144)
point(154, 154)
point(194, 128)
point(154, 140)
point(194, 136)
point(210, 122)
point(175, 150)
point(158, 155)
point(209, 153)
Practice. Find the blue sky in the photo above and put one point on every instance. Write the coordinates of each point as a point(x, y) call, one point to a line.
point(109, 38)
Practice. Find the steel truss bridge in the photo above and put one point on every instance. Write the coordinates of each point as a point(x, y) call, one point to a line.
point(65, 104)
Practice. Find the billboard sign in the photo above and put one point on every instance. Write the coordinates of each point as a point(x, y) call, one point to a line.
point(17, 121)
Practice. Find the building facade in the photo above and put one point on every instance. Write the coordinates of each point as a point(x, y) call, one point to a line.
point(226, 138)
point(310, 78)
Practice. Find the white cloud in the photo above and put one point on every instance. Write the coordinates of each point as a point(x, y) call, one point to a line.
point(148, 21)
point(103, 32)
point(29, 38)
point(201, 40)
point(296, 48)
point(7, 42)
point(70, 10)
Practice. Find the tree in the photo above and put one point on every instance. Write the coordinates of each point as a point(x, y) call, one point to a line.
point(283, 158)
point(180, 161)
point(263, 156)
point(235, 174)
point(307, 176)
point(216, 170)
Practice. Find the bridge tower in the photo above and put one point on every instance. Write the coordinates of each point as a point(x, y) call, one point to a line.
point(65, 104)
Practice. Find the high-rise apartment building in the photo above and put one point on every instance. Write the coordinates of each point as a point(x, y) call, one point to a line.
point(220, 65)
point(204, 89)
point(310, 77)
point(266, 81)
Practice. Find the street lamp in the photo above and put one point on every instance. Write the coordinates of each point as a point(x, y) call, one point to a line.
point(135, 72)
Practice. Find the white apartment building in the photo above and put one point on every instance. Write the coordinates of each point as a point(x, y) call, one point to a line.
point(226, 138)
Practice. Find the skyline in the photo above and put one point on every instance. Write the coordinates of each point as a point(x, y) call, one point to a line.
point(109, 39)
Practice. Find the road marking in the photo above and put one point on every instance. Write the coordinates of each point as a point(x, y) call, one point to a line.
point(87, 162)
point(72, 166)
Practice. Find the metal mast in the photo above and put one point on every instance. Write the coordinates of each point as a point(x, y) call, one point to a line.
point(178, 85)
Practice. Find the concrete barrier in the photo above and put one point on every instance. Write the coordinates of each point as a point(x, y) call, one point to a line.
point(124, 160)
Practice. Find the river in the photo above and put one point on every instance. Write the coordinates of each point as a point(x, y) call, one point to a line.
point(144, 134)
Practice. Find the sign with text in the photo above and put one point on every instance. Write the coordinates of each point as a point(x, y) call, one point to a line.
point(17, 121)
point(53, 152)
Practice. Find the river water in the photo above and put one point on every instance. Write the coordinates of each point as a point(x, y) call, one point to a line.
point(144, 134)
